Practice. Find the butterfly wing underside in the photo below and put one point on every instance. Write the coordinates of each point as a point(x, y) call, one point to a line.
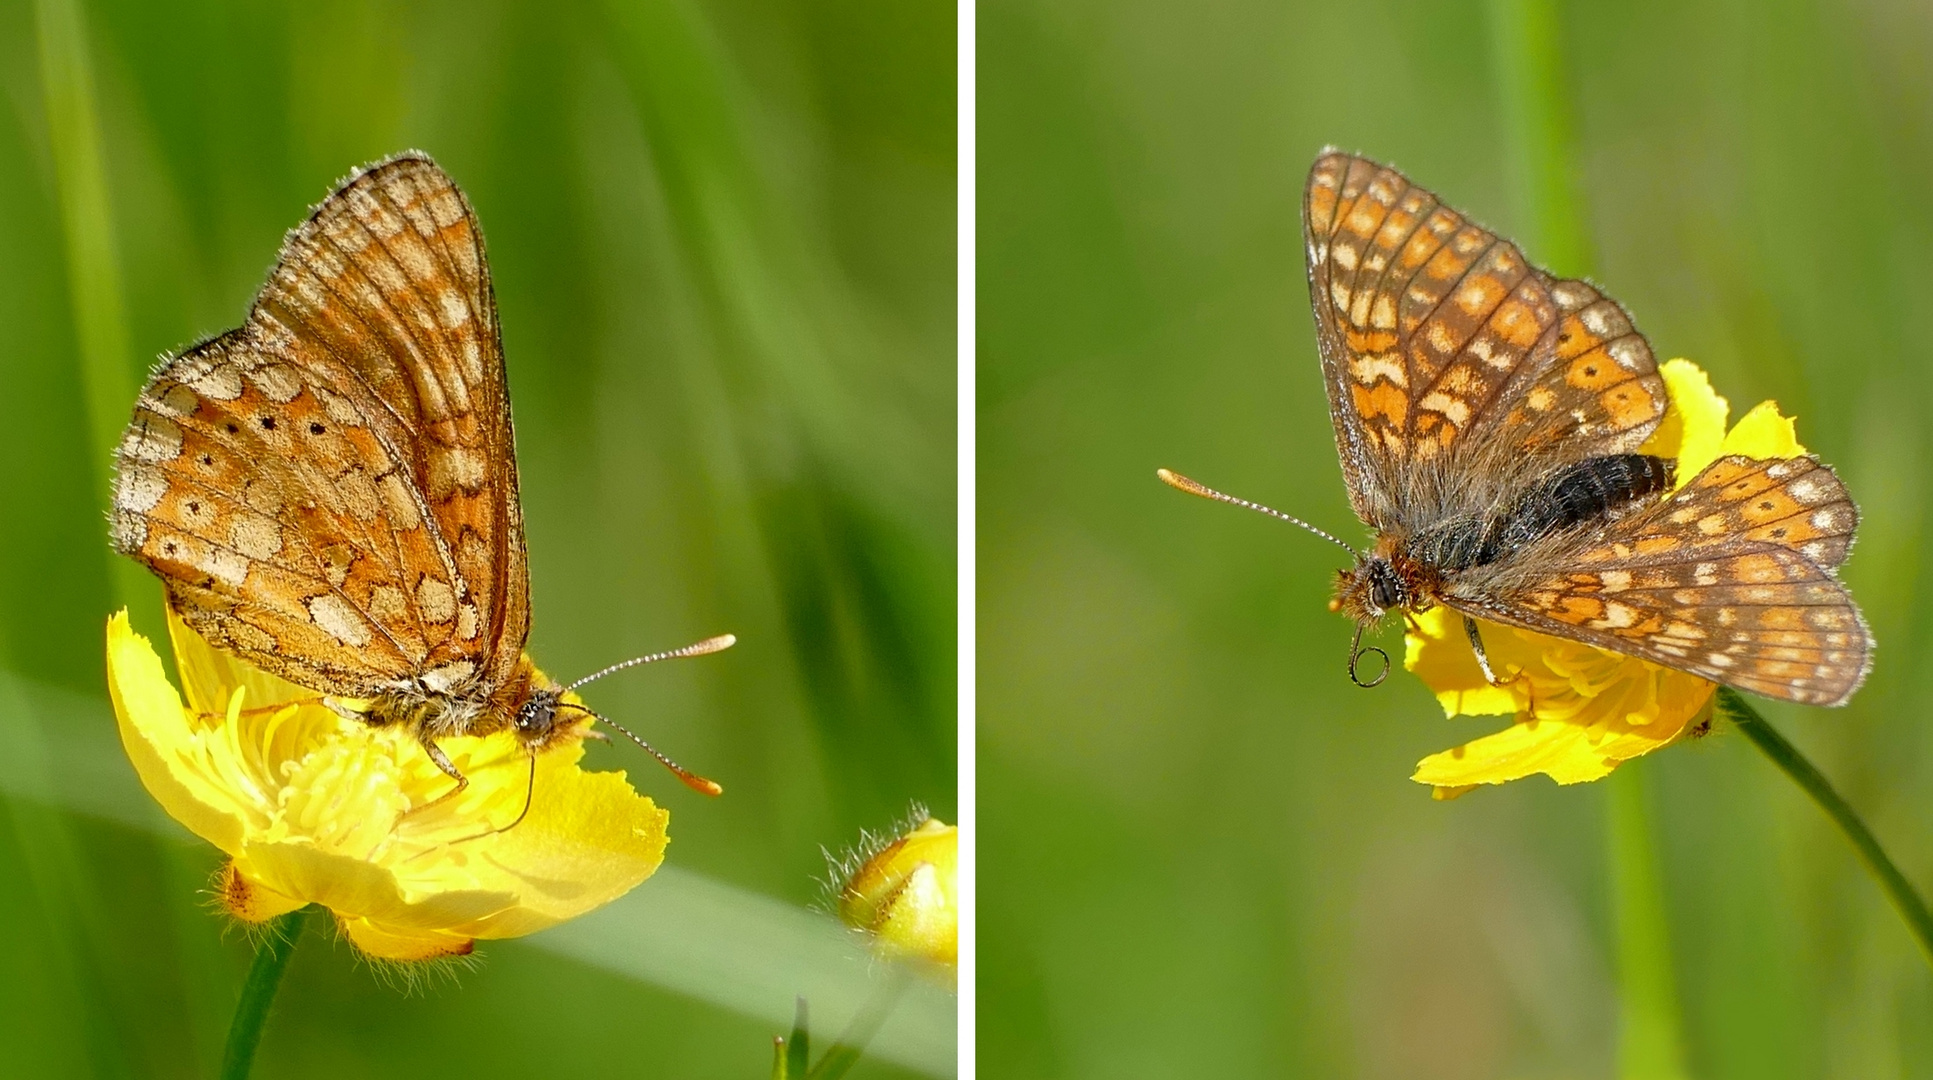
point(1730, 579)
point(330, 490)
point(1455, 369)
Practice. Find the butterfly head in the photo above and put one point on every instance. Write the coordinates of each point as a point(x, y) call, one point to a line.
point(1370, 589)
point(535, 721)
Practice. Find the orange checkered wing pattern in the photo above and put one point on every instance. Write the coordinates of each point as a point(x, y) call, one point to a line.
point(1730, 579)
point(330, 491)
point(1456, 371)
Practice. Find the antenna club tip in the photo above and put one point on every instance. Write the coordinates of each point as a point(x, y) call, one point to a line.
point(703, 786)
point(723, 641)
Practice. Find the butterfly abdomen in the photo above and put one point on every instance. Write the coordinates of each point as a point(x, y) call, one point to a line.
point(1594, 490)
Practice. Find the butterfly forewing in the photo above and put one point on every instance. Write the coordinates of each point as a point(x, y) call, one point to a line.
point(331, 490)
point(1455, 369)
point(1462, 379)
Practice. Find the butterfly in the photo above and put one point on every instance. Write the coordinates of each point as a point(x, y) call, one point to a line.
point(1489, 417)
point(329, 492)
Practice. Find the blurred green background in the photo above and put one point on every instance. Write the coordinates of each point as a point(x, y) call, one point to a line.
point(723, 240)
point(1202, 852)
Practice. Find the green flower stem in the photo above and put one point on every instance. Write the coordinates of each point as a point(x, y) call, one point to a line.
point(258, 993)
point(1911, 906)
point(852, 1042)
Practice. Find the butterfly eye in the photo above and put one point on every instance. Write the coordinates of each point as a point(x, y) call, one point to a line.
point(1385, 591)
point(536, 715)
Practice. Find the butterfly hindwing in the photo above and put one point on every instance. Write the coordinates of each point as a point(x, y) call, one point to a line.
point(330, 491)
point(1729, 579)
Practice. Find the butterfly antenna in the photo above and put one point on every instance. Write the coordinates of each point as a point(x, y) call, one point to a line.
point(692, 780)
point(709, 645)
point(1182, 483)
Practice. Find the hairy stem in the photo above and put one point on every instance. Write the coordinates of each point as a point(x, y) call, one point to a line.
point(258, 993)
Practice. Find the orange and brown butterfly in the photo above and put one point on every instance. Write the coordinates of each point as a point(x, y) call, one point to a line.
point(329, 492)
point(1489, 417)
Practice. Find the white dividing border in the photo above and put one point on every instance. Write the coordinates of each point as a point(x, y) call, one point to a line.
point(965, 406)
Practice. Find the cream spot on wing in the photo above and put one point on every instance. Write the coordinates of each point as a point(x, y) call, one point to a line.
point(399, 506)
point(1617, 616)
point(1455, 409)
point(416, 260)
point(1615, 580)
point(1368, 369)
point(255, 537)
point(458, 467)
point(435, 600)
point(1719, 660)
point(177, 400)
point(229, 566)
point(358, 494)
point(1571, 295)
point(333, 614)
point(223, 383)
point(1541, 398)
point(444, 208)
point(1382, 313)
point(130, 531)
point(152, 438)
point(1476, 297)
point(446, 678)
point(278, 381)
point(1345, 256)
point(139, 488)
point(1628, 354)
point(339, 408)
point(466, 621)
point(388, 604)
point(473, 359)
point(456, 310)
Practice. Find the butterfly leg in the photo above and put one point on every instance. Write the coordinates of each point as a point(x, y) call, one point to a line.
point(1483, 659)
point(1489, 676)
point(442, 761)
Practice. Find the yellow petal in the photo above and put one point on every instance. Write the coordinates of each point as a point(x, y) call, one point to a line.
point(589, 839)
point(1763, 433)
point(1694, 422)
point(1437, 650)
point(154, 728)
point(251, 901)
point(1564, 751)
point(402, 943)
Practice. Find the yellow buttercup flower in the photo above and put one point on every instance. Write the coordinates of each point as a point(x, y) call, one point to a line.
point(906, 894)
point(314, 808)
point(1583, 711)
